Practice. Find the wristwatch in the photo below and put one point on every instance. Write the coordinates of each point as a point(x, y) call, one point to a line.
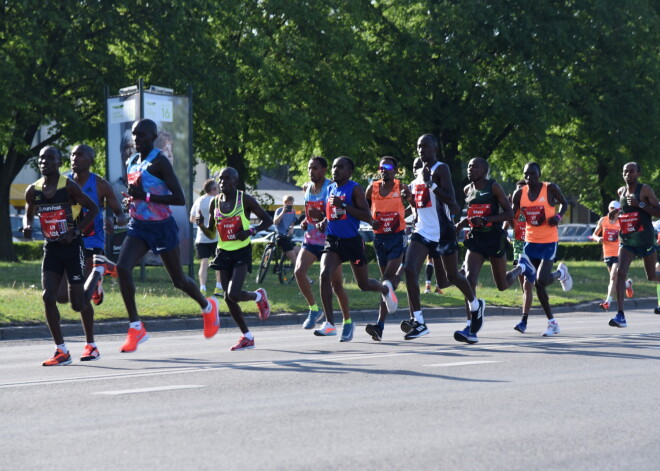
point(642, 205)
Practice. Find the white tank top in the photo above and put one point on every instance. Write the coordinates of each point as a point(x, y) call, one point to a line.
point(426, 206)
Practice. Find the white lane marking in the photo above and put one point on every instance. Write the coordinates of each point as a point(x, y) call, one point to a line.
point(147, 390)
point(465, 363)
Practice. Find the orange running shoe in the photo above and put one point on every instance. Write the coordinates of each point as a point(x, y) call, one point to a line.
point(605, 306)
point(263, 305)
point(134, 338)
point(438, 290)
point(90, 353)
point(97, 297)
point(59, 359)
point(211, 319)
point(109, 266)
point(629, 289)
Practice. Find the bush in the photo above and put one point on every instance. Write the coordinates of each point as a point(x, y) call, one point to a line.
point(32, 250)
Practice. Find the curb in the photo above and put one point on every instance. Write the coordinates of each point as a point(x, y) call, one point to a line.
point(164, 325)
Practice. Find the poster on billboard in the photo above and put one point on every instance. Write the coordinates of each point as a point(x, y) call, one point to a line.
point(172, 116)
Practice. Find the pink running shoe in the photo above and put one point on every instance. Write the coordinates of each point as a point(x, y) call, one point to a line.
point(263, 305)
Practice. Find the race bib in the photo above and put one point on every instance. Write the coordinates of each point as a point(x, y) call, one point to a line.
point(312, 207)
point(479, 211)
point(335, 213)
point(53, 223)
point(534, 215)
point(519, 230)
point(422, 196)
point(389, 220)
point(630, 222)
point(228, 227)
point(611, 235)
point(135, 178)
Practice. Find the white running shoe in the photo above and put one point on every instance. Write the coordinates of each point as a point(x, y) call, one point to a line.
point(565, 279)
point(553, 328)
point(390, 298)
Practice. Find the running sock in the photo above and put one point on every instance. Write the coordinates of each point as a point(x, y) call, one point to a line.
point(621, 312)
point(63, 348)
point(348, 321)
point(92, 344)
point(208, 308)
point(474, 305)
point(135, 325)
point(524, 318)
point(202, 287)
point(418, 316)
point(468, 323)
point(258, 293)
point(248, 335)
point(100, 269)
point(381, 324)
point(315, 307)
point(609, 299)
point(218, 286)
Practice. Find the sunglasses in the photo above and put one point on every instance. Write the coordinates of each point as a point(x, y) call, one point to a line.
point(386, 167)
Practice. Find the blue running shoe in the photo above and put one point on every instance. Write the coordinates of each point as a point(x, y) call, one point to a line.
point(619, 320)
point(462, 335)
point(521, 327)
point(347, 332)
point(528, 266)
point(472, 337)
point(312, 319)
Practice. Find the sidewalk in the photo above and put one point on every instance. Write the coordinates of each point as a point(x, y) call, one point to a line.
point(162, 325)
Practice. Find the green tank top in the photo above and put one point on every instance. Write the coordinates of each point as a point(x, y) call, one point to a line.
point(636, 224)
point(230, 224)
point(482, 203)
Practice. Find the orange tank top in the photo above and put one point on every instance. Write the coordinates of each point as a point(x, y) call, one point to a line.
point(610, 237)
point(388, 209)
point(537, 213)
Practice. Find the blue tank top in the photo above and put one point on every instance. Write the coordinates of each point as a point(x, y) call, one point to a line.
point(139, 175)
point(315, 201)
point(93, 236)
point(340, 223)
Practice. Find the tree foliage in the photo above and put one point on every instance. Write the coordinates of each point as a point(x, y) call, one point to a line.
point(570, 84)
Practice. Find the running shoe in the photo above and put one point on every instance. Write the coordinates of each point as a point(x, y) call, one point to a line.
point(263, 305)
point(462, 335)
point(629, 288)
point(657, 310)
point(619, 320)
point(109, 266)
point(312, 319)
point(427, 289)
point(219, 293)
point(478, 317)
point(418, 330)
point(134, 338)
point(326, 329)
point(375, 331)
point(347, 332)
point(203, 291)
point(59, 359)
point(521, 327)
point(529, 270)
point(97, 296)
point(605, 306)
point(407, 325)
point(553, 328)
point(243, 344)
point(211, 319)
point(390, 298)
point(565, 279)
point(90, 353)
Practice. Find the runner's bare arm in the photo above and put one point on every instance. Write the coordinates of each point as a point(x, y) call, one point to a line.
point(651, 205)
point(251, 206)
point(360, 208)
point(30, 209)
point(108, 199)
point(205, 223)
point(559, 197)
point(76, 194)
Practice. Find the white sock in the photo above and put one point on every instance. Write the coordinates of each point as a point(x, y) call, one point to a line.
point(208, 308)
point(93, 344)
point(202, 287)
point(609, 299)
point(101, 270)
point(469, 323)
point(474, 305)
point(63, 348)
point(136, 325)
point(248, 335)
point(218, 286)
point(258, 293)
point(418, 316)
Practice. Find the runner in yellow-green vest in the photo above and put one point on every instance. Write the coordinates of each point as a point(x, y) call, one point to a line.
point(229, 217)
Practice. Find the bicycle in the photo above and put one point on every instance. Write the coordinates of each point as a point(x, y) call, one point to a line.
point(283, 266)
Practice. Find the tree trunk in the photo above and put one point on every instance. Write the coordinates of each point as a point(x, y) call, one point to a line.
point(7, 251)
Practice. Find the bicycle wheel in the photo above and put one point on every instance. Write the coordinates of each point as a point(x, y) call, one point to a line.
point(285, 272)
point(265, 262)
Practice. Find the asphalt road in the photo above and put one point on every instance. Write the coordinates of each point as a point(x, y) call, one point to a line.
point(586, 399)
